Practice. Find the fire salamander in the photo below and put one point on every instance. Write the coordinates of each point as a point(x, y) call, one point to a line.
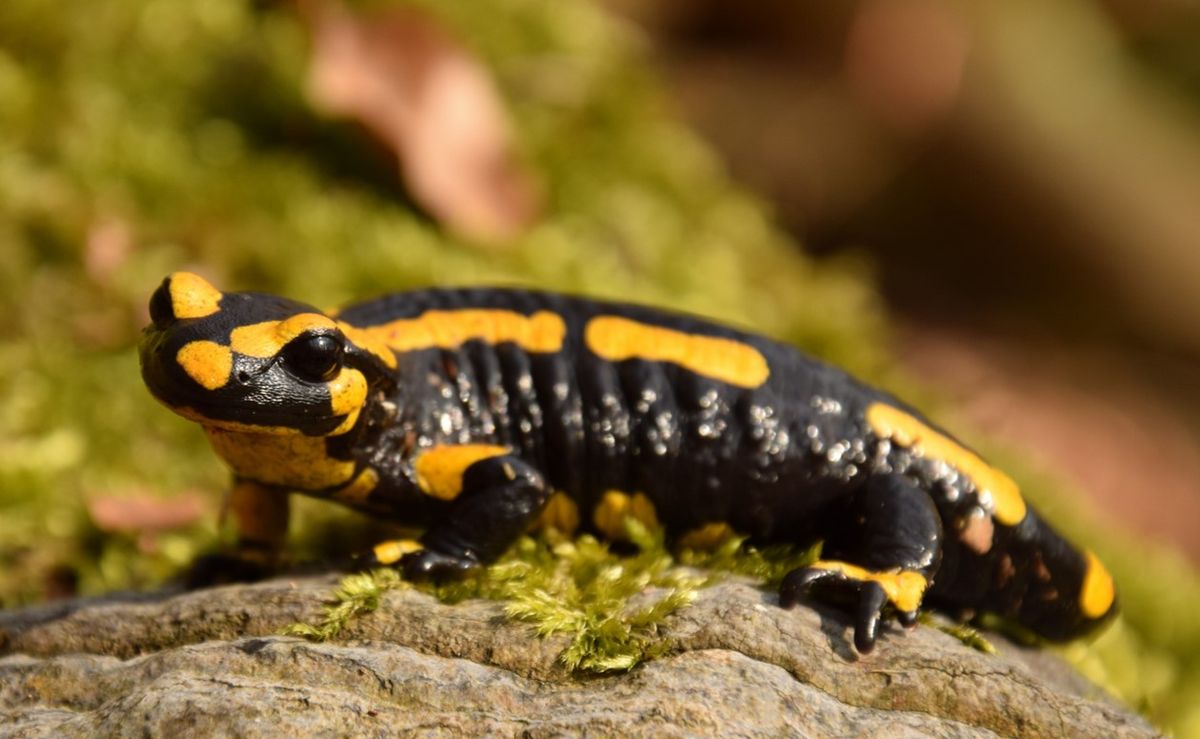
point(480, 414)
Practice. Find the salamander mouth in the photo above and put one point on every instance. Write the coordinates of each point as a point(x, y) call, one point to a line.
point(238, 418)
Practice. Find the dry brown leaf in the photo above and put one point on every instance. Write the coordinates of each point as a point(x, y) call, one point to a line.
point(401, 76)
point(107, 247)
point(906, 59)
point(145, 513)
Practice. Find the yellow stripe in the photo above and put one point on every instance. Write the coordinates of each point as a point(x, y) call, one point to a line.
point(1097, 594)
point(440, 469)
point(192, 296)
point(206, 362)
point(904, 588)
point(265, 339)
point(541, 332)
point(891, 423)
point(617, 339)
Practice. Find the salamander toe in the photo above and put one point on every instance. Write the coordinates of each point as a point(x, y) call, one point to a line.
point(872, 596)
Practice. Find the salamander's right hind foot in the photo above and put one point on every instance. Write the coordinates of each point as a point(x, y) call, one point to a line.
point(871, 594)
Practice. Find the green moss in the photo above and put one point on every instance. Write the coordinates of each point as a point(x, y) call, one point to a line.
point(588, 594)
point(768, 564)
point(356, 595)
point(968, 635)
point(610, 607)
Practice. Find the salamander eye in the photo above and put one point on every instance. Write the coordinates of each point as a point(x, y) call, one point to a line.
point(313, 358)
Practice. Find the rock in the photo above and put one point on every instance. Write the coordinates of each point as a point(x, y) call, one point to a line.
point(211, 662)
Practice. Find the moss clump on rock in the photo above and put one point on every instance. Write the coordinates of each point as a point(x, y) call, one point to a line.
point(610, 606)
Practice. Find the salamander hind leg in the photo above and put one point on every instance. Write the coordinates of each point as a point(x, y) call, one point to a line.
point(493, 500)
point(881, 550)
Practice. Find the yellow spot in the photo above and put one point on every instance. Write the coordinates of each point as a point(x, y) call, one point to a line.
point(560, 513)
point(609, 515)
point(358, 490)
point(192, 296)
point(708, 536)
point(904, 588)
point(891, 423)
point(616, 339)
point(265, 339)
point(390, 552)
point(1096, 595)
point(206, 362)
point(448, 329)
point(347, 395)
point(291, 461)
point(367, 340)
point(440, 469)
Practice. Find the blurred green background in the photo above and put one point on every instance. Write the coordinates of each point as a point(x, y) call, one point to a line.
point(959, 232)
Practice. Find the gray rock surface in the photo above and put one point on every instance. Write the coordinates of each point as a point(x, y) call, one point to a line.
point(210, 662)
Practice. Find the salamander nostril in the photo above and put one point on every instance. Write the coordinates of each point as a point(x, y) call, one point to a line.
point(161, 310)
point(243, 376)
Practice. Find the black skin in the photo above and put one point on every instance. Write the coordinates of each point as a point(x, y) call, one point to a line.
point(791, 460)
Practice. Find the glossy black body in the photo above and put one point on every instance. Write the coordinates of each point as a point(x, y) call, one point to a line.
point(793, 459)
point(700, 449)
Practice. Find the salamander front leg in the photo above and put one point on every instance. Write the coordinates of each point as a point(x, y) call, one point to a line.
point(881, 555)
point(260, 517)
point(494, 497)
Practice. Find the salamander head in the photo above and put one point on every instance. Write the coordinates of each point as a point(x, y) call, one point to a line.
point(254, 362)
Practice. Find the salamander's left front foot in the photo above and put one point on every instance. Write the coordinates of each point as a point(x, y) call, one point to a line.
point(430, 565)
point(494, 497)
point(870, 594)
point(415, 561)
